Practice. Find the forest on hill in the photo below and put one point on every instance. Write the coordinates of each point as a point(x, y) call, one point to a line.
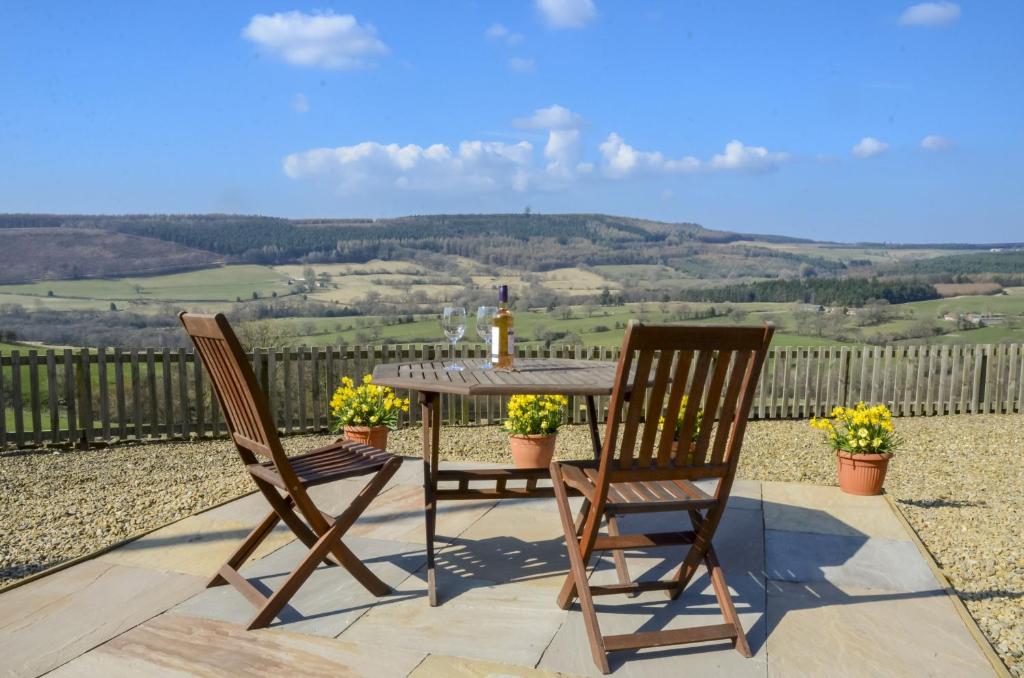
point(530, 242)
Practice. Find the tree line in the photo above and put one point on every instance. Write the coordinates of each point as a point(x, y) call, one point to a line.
point(824, 291)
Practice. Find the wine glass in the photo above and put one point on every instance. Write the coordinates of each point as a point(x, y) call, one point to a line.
point(453, 322)
point(484, 323)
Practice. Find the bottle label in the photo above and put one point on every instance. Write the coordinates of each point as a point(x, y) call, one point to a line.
point(496, 347)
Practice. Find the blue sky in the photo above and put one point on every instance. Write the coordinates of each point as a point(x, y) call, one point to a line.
point(844, 121)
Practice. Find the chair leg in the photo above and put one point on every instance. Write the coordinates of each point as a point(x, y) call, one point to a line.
point(578, 573)
point(295, 580)
point(704, 529)
point(725, 601)
point(328, 542)
point(255, 538)
point(345, 557)
point(618, 555)
point(284, 508)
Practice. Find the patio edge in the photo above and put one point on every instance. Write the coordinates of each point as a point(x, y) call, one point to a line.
point(109, 547)
point(961, 609)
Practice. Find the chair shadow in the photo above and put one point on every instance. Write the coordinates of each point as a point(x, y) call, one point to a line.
point(410, 562)
point(465, 564)
point(749, 584)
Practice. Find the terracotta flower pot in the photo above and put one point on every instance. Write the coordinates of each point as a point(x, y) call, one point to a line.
point(862, 474)
point(689, 453)
point(375, 436)
point(532, 451)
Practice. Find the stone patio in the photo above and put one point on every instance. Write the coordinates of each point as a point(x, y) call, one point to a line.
point(825, 584)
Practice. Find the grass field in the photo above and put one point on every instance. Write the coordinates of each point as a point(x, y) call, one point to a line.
point(222, 284)
point(216, 289)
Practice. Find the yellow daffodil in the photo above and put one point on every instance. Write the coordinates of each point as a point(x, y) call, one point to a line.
point(365, 405)
point(859, 429)
point(533, 414)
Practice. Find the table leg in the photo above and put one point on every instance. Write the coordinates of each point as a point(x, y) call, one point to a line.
point(595, 436)
point(431, 414)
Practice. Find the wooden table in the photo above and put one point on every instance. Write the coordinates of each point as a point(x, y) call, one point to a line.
point(537, 376)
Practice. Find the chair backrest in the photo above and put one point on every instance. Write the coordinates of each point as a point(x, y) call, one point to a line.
point(715, 368)
point(244, 404)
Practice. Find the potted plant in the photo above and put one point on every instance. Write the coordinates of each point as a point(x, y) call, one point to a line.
point(532, 424)
point(366, 413)
point(678, 432)
point(864, 440)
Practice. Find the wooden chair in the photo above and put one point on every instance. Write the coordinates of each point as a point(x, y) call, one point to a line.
point(648, 471)
point(282, 480)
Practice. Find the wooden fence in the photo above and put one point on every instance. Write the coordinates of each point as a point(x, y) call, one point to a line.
point(101, 395)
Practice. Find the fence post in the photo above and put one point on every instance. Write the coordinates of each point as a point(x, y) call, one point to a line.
point(845, 384)
point(85, 413)
point(980, 376)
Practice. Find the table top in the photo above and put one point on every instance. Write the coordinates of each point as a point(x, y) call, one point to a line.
point(540, 376)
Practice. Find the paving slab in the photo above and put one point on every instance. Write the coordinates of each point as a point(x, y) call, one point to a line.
point(745, 494)
point(819, 629)
point(831, 587)
point(797, 507)
point(508, 544)
point(510, 622)
point(198, 545)
point(250, 509)
point(738, 541)
point(739, 546)
point(177, 646)
point(52, 620)
point(885, 564)
point(569, 651)
point(330, 599)
point(443, 666)
point(398, 515)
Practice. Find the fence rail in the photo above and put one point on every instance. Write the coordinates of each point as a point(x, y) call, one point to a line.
point(60, 397)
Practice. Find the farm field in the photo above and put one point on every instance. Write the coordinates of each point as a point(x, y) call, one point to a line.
point(221, 284)
point(878, 255)
point(419, 289)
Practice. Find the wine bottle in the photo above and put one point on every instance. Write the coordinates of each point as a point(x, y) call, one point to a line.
point(503, 334)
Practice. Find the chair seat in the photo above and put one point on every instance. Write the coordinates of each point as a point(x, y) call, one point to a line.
point(652, 496)
point(342, 459)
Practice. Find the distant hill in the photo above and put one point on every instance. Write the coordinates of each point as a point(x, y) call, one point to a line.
point(41, 246)
point(532, 242)
point(29, 254)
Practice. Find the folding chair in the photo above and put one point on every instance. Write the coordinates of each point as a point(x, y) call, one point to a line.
point(282, 480)
point(652, 470)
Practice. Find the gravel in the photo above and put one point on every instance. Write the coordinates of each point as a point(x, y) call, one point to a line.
point(959, 481)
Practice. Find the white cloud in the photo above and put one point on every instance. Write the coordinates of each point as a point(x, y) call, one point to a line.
point(869, 147)
point(563, 154)
point(552, 117)
point(566, 13)
point(300, 104)
point(327, 40)
point(930, 14)
point(499, 32)
point(747, 158)
point(521, 65)
point(494, 166)
point(621, 159)
point(474, 165)
point(562, 149)
point(496, 32)
point(934, 142)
